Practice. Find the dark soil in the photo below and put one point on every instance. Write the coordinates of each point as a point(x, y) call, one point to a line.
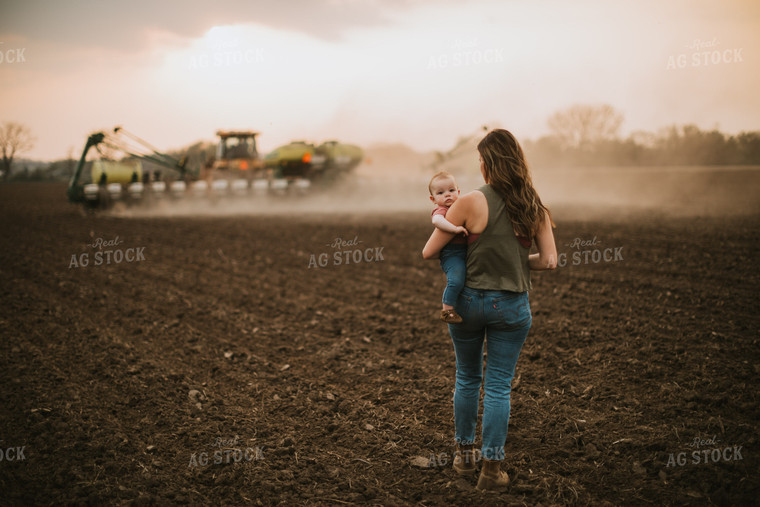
point(321, 385)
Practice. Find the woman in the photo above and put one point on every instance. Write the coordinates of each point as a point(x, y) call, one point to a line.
point(503, 218)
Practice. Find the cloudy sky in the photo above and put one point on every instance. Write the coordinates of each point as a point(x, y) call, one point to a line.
point(421, 72)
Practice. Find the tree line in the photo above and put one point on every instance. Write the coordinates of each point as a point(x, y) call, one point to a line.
point(581, 135)
point(585, 135)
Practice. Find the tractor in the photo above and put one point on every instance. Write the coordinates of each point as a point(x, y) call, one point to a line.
point(236, 169)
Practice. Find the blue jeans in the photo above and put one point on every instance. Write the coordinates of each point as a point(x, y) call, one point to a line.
point(453, 259)
point(501, 319)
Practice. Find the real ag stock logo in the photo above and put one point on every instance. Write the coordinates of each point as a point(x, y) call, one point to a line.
point(346, 252)
point(704, 54)
point(102, 256)
point(12, 453)
point(714, 453)
point(585, 255)
point(464, 53)
point(11, 55)
point(227, 54)
point(226, 452)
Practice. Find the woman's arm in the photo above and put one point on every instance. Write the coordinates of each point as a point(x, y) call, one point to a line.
point(439, 239)
point(546, 258)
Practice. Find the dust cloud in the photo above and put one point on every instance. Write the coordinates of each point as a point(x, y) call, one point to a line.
point(394, 178)
point(671, 191)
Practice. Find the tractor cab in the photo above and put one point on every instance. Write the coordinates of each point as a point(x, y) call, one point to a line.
point(237, 151)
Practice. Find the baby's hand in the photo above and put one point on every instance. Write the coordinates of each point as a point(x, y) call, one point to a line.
point(462, 230)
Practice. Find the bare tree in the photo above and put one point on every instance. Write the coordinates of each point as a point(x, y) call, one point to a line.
point(581, 125)
point(14, 138)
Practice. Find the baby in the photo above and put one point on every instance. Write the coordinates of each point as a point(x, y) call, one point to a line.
point(444, 192)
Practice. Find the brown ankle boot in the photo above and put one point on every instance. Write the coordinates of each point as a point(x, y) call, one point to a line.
point(464, 459)
point(492, 477)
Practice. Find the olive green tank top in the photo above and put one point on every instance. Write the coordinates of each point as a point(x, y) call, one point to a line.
point(497, 260)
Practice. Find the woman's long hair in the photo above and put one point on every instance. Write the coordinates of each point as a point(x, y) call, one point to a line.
point(507, 171)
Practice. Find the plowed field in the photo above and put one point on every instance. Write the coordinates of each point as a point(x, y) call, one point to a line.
point(224, 365)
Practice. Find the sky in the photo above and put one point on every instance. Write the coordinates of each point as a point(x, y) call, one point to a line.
point(418, 72)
